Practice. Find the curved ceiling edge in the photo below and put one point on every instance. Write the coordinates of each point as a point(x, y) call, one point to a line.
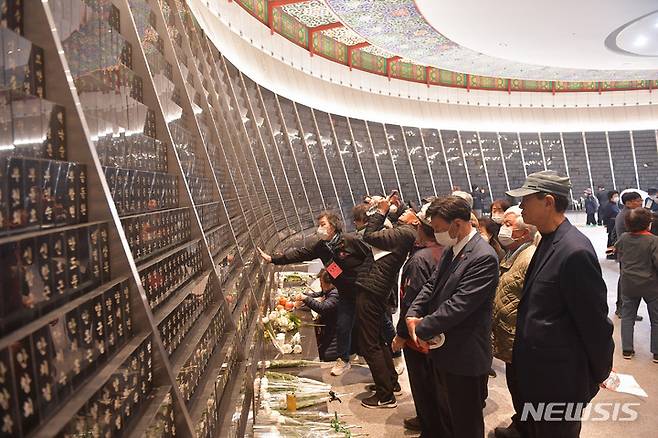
point(288, 70)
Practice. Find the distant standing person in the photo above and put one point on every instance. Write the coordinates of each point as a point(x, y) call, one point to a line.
point(602, 197)
point(591, 206)
point(637, 252)
point(609, 215)
point(563, 343)
point(631, 201)
point(478, 201)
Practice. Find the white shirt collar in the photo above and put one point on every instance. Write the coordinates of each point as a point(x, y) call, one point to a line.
point(457, 248)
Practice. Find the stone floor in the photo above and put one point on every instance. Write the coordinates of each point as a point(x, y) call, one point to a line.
point(388, 423)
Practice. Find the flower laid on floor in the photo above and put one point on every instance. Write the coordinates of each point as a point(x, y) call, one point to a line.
point(289, 363)
point(274, 387)
point(273, 420)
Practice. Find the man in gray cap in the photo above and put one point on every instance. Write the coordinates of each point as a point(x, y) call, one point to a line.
point(563, 346)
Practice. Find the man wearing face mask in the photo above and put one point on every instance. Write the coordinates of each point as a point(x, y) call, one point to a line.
point(374, 281)
point(422, 262)
point(517, 239)
point(343, 255)
point(452, 317)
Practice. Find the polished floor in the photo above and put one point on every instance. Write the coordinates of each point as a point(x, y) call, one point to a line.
point(388, 423)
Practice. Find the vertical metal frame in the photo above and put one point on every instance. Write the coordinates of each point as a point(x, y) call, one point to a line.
point(518, 138)
point(566, 165)
point(445, 158)
point(637, 175)
point(427, 160)
point(612, 166)
point(308, 153)
point(237, 148)
point(541, 146)
point(484, 165)
point(292, 151)
point(411, 166)
point(262, 145)
point(358, 159)
point(502, 159)
point(390, 154)
point(278, 154)
point(245, 134)
point(324, 156)
point(374, 156)
point(342, 163)
point(589, 170)
point(461, 148)
point(197, 82)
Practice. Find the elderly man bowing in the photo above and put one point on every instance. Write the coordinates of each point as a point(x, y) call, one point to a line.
point(452, 316)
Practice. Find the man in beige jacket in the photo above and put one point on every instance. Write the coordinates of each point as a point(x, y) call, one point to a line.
point(518, 240)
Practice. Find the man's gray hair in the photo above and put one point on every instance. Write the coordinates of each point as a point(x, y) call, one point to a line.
point(520, 223)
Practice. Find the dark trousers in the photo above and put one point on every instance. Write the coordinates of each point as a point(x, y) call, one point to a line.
point(388, 330)
point(344, 325)
point(423, 391)
point(600, 215)
point(370, 310)
point(591, 220)
point(618, 303)
point(552, 429)
point(461, 401)
point(513, 389)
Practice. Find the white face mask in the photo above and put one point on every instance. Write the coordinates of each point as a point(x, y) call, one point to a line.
point(393, 209)
point(322, 233)
point(444, 239)
point(497, 218)
point(505, 236)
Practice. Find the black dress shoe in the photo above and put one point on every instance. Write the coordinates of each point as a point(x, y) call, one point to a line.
point(413, 423)
point(638, 318)
point(492, 373)
point(507, 432)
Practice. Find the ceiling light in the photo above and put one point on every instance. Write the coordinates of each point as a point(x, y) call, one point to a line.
point(641, 40)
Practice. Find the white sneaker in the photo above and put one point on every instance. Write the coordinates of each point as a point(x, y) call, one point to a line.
point(340, 367)
point(357, 360)
point(398, 362)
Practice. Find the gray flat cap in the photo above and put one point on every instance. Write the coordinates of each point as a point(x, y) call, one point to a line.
point(546, 181)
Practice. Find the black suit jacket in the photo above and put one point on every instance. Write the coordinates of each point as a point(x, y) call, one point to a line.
point(563, 346)
point(458, 302)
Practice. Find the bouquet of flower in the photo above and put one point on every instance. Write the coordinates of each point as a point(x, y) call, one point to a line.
point(279, 322)
point(282, 321)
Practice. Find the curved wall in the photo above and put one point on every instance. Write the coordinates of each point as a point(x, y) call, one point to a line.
point(320, 160)
point(279, 65)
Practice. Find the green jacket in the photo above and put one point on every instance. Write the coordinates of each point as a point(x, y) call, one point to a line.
point(506, 302)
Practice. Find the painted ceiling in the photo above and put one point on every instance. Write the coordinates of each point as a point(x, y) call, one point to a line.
point(399, 27)
point(402, 44)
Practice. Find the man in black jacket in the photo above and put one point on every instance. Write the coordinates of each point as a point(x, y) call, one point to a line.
point(374, 281)
point(563, 346)
point(343, 255)
point(422, 262)
point(455, 307)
